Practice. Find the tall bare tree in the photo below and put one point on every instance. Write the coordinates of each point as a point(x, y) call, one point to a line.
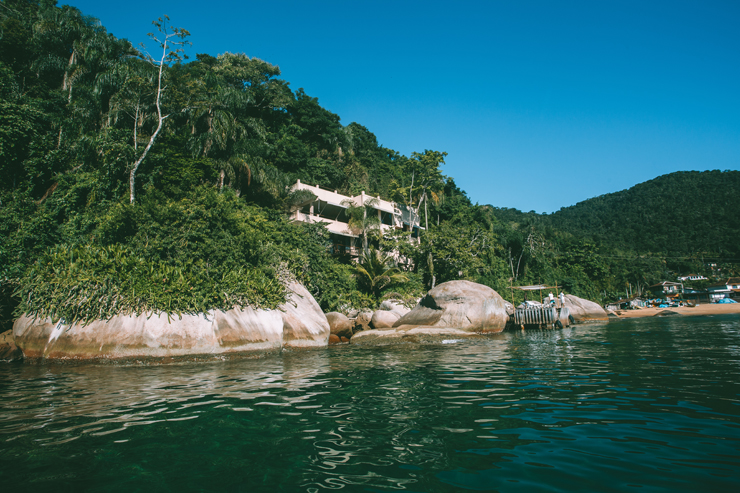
point(171, 40)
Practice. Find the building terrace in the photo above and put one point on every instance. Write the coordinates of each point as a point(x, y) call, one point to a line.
point(330, 207)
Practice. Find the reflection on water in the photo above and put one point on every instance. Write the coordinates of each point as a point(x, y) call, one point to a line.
point(650, 404)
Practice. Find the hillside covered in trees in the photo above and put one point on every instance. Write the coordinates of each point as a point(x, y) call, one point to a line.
point(687, 219)
point(687, 213)
point(136, 181)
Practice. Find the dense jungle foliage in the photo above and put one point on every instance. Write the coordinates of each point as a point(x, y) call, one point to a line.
point(136, 181)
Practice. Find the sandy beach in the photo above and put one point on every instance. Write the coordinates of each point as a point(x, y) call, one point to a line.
point(708, 309)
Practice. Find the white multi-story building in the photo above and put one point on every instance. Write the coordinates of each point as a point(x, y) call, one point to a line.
point(729, 288)
point(330, 207)
point(692, 277)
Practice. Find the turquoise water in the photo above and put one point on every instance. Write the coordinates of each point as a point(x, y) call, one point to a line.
point(632, 405)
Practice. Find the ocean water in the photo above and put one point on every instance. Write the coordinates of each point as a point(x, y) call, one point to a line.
point(631, 405)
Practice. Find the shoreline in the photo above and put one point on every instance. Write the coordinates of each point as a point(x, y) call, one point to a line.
point(705, 309)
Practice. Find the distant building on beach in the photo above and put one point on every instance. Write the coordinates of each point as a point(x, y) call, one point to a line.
point(729, 288)
point(626, 304)
point(666, 288)
point(692, 277)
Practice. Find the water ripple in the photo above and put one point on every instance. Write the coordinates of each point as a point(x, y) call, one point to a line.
point(641, 403)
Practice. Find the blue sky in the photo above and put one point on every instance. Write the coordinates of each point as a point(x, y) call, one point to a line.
point(540, 104)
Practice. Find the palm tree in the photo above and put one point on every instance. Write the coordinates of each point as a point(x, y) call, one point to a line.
point(81, 50)
point(377, 271)
point(362, 221)
point(221, 132)
point(69, 31)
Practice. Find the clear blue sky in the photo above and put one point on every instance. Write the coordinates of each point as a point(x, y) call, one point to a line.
point(540, 104)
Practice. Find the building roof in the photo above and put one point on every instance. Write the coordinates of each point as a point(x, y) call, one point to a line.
point(537, 287)
point(665, 283)
point(724, 284)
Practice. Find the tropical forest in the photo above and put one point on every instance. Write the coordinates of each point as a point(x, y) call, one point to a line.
point(134, 179)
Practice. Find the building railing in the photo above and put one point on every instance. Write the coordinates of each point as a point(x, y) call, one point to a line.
point(345, 250)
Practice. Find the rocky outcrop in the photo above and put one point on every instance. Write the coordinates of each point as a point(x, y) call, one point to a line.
point(453, 310)
point(394, 306)
point(8, 350)
point(413, 335)
point(383, 319)
point(462, 305)
point(297, 323)
point(335, 339)
point(509, 308)
point(362, 322)
point(584, 311)
point(339, 324)
point(304, 323)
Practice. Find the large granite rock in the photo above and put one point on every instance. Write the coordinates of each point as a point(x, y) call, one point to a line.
point(462, 305)
point(297, 323)
point(304, 323)
point(339, 324)
point(383, 319)
point(8, 350)
point(584, 311)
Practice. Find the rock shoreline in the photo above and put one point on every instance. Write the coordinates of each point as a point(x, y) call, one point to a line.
point(298, 323)
point(452, 310)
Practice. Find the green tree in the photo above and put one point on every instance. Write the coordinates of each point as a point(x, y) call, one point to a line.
point(376, 271)
point(448, 252)
point(422, 180)
point(363, 220)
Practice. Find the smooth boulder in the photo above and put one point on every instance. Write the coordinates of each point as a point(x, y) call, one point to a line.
point(584, 311)
point(383, 319)
point(462, 305)
point(394, 306)
point(297, 323)
point(304, 322)
point(339, 324)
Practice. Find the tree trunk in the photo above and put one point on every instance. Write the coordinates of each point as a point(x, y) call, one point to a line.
point(430, 265)
point(364, 229)
point(66, 81)
point(511, 264)
point(136, 126)
point(160, 124)
point(517, 265)
point(426, 213)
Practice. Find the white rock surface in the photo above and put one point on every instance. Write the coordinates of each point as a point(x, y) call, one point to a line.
point(394, 306)
point(383, 319)
point(297, 323)
point(584, 311)
point(462, 305)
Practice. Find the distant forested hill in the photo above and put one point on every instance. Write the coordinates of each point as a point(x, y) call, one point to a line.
point(682, 213)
